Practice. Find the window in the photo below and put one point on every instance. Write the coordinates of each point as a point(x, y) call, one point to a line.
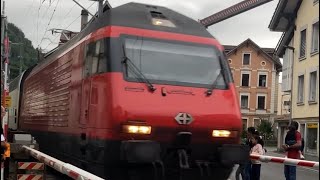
point(313, 86)
point(303, 44)
point(244, 101)
point(246, 59)
point(256, 122)
point(300, 89)
point(315, 38)
point(172, 62)
point(261, 102)
point(95, 61)
point(286, 103)
point(244, 124)
point(245, 80)
point(262, 80)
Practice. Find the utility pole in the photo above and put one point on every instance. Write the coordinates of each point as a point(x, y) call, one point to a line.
point(4, 74)
point(5, 61)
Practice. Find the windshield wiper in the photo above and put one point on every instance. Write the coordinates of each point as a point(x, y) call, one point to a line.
point(136, 70)
point(214, 84)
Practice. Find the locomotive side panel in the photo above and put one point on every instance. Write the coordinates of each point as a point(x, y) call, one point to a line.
point(46, 96)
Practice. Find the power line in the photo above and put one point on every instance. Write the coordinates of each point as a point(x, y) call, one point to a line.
point(29, 8)
point(46, 11)
point(49, 22)
point(67, 27)
point(38, 22)
point(67, 14)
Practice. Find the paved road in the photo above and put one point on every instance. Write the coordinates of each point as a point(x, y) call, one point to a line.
point(269, 171)
point(274, 171)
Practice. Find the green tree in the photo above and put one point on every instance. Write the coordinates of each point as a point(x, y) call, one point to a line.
point(28, 52)
point(265, 129)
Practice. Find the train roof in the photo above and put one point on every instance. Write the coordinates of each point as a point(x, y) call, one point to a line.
point(135, 15)
point(140, 16)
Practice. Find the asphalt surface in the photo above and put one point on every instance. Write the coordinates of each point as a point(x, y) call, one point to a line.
point(269, 171)
point(275, 171)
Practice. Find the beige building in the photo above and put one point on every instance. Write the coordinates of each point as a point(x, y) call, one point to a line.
point(283, 115)
point(299, 47)
point(256, 73)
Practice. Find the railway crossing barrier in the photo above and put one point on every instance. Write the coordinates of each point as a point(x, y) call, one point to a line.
point(62, 167)
point(79, 174)
point(286, 161)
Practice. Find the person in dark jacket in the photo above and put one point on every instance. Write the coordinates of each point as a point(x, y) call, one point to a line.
point(245, 169)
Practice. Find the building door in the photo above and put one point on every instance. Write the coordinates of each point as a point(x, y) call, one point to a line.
point(311, 138)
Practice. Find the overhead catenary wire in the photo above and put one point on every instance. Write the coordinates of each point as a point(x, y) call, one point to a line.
point(38, 22)
point(49, 23)
point(46, 11)
point(68, 27)
point(66, 15)
point(40, 5)
point(59, 25)
point(29, 8)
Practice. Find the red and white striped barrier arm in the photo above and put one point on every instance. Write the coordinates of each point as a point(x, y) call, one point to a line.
point(286, 161)
point(65, 168)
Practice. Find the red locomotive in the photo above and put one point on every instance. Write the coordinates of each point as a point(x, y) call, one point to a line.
point(142, 92)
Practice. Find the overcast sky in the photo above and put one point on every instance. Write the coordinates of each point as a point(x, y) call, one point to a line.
point(33, 17)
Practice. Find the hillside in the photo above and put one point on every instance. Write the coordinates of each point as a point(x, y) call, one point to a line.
point(28, 52)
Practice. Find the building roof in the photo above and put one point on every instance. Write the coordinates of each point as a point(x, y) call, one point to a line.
point(284, 41)
point(283, 21)
point(284, 15)
point(267, 52)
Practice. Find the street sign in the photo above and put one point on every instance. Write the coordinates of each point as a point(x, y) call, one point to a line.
point(312, 125)
point(8, 101)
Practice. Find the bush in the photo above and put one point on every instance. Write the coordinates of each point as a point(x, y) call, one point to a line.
point(266, 130)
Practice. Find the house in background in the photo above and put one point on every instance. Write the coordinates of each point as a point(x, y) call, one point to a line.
point(256, 73)
point(299, 48)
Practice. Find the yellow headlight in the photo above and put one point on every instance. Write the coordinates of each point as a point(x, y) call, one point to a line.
point(137, 129)
point(221, 133)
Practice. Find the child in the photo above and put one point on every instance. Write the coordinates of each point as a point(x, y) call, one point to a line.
point(291, 140)
point(256, 164)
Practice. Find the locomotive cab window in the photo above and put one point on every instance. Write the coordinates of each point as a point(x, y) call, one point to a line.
point(95, 59)
point(175, 63)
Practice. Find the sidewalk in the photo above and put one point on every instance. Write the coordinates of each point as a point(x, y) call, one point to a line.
point(307, 157)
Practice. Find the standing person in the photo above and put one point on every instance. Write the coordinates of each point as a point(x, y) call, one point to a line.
point(241, 170)
point(256, 164)
point(247, 170)
point(292, 147)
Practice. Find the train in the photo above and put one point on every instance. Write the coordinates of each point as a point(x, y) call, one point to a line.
point(142, 92)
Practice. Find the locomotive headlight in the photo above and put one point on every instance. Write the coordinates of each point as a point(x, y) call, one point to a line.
point(223, 133)
point(137, 129)
point(162, 22)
